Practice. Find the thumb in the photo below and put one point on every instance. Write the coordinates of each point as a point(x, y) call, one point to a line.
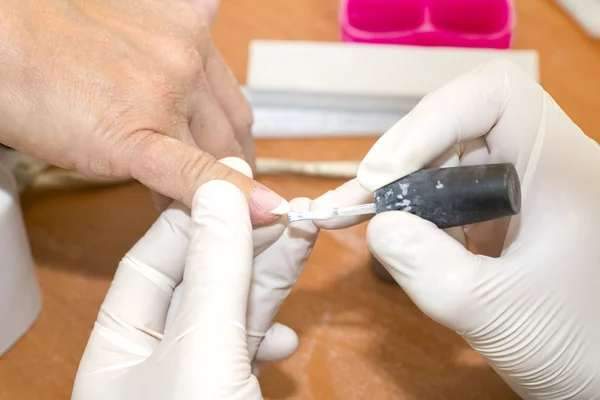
point(210, 324)
point(434, 270)
point(175, 169)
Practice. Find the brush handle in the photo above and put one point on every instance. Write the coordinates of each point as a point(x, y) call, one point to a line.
point(455, 196)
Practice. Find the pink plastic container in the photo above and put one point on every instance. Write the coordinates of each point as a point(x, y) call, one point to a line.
point(454, 23)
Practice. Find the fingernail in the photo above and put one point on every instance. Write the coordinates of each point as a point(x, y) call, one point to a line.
point(269, 201)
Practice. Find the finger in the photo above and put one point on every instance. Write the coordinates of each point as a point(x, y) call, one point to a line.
point(435, 270)
point(280, 343)
point(176, 170)
point(234, 104)
point(264, 236)
point(211, 319)
point(239, 165)
point(487, 238)
point(185, 135)
point(219, 261)
point(348, 194)
point(482, 102)
point(162, 202)
point(210, 127)
point(137, 302)
point(276, 270)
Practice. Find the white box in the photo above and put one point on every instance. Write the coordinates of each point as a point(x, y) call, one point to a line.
point(349, 69)
point(300, 88)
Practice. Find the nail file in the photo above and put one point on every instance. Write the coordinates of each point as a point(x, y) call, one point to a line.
point(448, 197)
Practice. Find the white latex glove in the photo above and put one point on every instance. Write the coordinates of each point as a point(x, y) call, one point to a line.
point(529, 302)
point(206, 352)
point(280, 252)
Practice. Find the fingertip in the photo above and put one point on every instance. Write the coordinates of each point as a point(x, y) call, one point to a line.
point(288, 339)
point(265, 206)
point(348, 194)
point(326, 201)
point(238, 164)
point(267, 235)
point(304, 228)
point(264, 236)
point(280, 342)
point(322, 201)
point(221, 197)
point(370, 177)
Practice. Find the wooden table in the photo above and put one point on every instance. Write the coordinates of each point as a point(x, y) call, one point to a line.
point(360, 338)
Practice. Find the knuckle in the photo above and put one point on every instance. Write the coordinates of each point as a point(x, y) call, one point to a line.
point(148, 90)
point(202, 169)
point(150, 149)
point(163, 91)
point(161, 98)
point(184, 60)
point(243, 119)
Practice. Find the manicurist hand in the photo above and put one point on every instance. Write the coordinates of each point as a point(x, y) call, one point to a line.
point(210, 339)
point(528, 301)
point(126, 88)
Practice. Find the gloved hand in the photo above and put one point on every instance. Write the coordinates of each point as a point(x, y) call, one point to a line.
point(126, 89)
point(528, 301)
point(225, 309)
point(280, 253)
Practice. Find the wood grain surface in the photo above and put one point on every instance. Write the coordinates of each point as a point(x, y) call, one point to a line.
point(359, 338)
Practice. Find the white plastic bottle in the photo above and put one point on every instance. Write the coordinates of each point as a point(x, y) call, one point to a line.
point(20, 295)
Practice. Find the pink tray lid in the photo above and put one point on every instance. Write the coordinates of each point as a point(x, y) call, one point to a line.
point(457, 23)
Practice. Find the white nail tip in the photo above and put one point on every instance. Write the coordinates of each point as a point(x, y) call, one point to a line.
point(282, 208)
